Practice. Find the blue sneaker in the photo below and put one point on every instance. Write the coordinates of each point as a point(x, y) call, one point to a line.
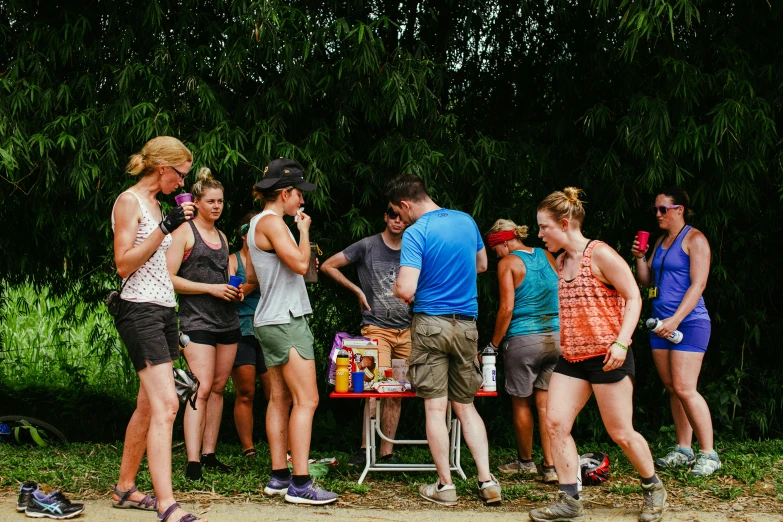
point(277, 486)
point(25, 492)
point(309, 494)
point(53, 505)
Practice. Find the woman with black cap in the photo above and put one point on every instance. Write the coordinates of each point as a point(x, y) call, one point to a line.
point(278, 266)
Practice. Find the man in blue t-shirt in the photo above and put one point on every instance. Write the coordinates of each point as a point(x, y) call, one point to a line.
point(442, 253)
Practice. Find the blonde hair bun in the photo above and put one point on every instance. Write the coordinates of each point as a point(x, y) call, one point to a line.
point(572, 194)
point(157, 151)
point(204, 181)
point(564, 205)
point(506, 224)
point(204, 174)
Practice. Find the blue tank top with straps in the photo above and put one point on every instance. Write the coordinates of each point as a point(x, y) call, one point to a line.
point(535, 299)
point(671, 269)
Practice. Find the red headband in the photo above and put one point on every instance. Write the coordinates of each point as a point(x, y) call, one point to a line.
point(498, 237)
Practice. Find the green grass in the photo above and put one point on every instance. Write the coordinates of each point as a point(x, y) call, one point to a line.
point(62, 342)
point(91, 469)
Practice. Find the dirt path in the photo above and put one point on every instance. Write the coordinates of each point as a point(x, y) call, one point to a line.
point(101, 510)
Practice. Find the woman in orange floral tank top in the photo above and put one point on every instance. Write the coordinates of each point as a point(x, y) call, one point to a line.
point(599, 310)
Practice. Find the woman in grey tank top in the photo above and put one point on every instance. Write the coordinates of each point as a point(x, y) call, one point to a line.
point(278, 265)
point(198, 263)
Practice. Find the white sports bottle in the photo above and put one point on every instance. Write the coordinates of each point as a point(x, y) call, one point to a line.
point(488, 369)
point(654, 323)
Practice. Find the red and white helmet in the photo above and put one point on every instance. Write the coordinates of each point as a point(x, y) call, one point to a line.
point(594, 468)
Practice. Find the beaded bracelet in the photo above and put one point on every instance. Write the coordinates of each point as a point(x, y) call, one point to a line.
point(621, 345)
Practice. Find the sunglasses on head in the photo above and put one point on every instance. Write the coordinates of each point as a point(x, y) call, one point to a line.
point(181, 175)
point(662, 209)
point(392, 214)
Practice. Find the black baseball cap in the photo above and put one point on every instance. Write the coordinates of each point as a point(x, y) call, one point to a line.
point(282, 173)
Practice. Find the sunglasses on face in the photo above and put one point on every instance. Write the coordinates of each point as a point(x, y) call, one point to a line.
point(392, 214)
point(181, 175)
point(662, 209)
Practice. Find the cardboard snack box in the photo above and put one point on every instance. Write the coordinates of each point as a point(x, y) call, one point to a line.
point(364, 357)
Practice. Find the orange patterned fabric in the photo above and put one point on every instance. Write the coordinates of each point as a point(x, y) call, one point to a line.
point(590, 312)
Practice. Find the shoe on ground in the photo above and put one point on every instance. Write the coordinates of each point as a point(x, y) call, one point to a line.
point(517, 466)
point(309, 494)
point(391, 458)
point(209, 460)
point(654, 502)
point(706, 464)
point(359, 460)
point(277, 486)
point(443, 495)
point(193, 471)
point(676, 458)
point(490, 490)
point(53, 505)
point(566, 509)
point(26, 491)
point(547, 474)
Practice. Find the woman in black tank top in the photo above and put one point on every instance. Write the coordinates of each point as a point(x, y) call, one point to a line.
point(198, 263)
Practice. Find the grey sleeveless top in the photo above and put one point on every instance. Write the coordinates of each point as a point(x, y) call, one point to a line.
point(283, 292)
point(205, 264)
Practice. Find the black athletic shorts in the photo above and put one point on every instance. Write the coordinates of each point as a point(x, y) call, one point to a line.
point(249, 354)
point(591, 370)
point(149, 332)
point(214, 338)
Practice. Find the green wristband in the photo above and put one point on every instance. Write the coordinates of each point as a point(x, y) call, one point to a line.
point(621, 345)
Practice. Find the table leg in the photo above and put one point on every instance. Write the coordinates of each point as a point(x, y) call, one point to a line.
point(369, 452)
point(458, 448)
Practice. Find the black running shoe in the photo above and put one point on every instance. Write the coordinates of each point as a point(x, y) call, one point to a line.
point(209, 460)
point(53, 505)
point(25, 492)
point(359, 460)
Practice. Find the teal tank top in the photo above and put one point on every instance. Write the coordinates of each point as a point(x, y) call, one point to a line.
point(535, 300)
point(247, 307)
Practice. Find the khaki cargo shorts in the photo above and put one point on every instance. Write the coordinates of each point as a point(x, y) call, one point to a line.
point(443, 359)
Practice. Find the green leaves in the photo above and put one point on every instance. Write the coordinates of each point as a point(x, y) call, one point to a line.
point(495, 105)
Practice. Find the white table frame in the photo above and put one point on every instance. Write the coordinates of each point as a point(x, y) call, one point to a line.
point(372, 426)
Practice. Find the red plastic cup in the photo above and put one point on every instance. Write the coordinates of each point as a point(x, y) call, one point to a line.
point(643, 238)
point(388, 373)
point(185, 197)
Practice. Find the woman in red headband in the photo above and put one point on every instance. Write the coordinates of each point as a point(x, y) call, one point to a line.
point(528, 327)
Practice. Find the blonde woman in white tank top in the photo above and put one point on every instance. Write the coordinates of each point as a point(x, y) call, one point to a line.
point(282, 329)
point(147, 322)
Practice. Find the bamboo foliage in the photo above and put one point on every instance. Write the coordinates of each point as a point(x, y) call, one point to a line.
point(494, 104)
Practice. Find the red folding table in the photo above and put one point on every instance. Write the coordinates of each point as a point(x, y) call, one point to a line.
point(373, 426)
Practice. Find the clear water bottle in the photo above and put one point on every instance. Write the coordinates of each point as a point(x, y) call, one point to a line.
point(488, 357)
point(654, 324)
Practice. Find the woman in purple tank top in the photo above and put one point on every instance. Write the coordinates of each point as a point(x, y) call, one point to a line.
point(678, 270)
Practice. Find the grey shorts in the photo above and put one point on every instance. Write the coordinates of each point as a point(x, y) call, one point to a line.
point(528, 362)
point(443, 359)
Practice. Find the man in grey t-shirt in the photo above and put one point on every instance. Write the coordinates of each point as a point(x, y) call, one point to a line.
point(384, 317)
